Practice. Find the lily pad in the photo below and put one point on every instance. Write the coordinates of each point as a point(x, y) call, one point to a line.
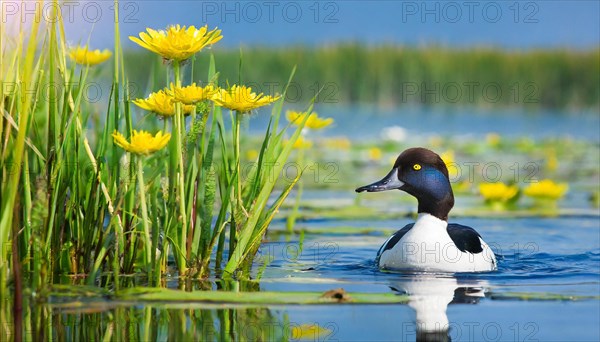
point(260, 298)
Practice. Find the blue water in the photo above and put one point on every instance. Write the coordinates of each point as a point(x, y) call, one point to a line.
point(367, 122)
point(535, 255)
point(485, 321)
point(531, 252)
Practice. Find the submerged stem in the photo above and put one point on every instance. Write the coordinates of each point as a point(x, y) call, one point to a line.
point(146, 225)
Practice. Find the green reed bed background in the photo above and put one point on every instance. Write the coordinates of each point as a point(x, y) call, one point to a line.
point(399, 75)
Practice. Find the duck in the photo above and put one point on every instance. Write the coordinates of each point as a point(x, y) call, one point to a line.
point(430, 244)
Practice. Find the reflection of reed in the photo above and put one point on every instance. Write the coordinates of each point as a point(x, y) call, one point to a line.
point(153, 323)
point(84, 316)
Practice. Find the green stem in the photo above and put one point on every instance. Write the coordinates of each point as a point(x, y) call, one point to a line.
point(179, 128)
point(142, 189)
point(238, 119)
point(291, 220)
point(119, 231)
point(237, 188)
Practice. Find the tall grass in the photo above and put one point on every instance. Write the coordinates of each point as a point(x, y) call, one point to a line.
point(398, 75)
point(73, 203)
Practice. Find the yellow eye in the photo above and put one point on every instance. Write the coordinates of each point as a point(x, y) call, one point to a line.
point(417, 167)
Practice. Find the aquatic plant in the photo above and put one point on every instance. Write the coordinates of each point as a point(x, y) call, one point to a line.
point(594, 199)
point(302, 143)
point(83, 55)
point(493, 139)
point(448, 158)
point(98, 195)
point(312, 122)
point(242, 99)
point(374, 153)
point(142, 143)
point(309, 332)
point(551, 160)
point(546, 190)
point(337, 143)
point(177, 43)
point(191, 94)
point(162, 103)
point(499, 195)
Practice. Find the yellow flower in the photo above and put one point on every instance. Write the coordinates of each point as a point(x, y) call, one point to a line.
point(84, 56)
point(546, 189)
point(191, 94)
point(493, 139)
point(436, 141)
point(498, 192)
point(252, 154)
point(313, 122)
point(453, 170)
point(341, 143)
point(177, 42)
point(551, 160)
point(462, 187)
point(301, 142)
point(595, 199)
point(142, 143)
point(162, 104)
point(448, 157)
point(375, 153)
point(242, 99)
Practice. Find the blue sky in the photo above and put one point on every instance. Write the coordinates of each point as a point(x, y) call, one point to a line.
point(508, 24)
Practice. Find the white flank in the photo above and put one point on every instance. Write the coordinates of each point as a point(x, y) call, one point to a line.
point(428, 247)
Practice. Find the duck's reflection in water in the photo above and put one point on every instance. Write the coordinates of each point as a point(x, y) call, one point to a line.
point(430, 294)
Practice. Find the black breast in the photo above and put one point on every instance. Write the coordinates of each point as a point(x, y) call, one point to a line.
point(465, 238)
point(393, 240)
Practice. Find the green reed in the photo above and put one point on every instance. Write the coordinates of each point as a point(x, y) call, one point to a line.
point(401, 75)
point(74, 203)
